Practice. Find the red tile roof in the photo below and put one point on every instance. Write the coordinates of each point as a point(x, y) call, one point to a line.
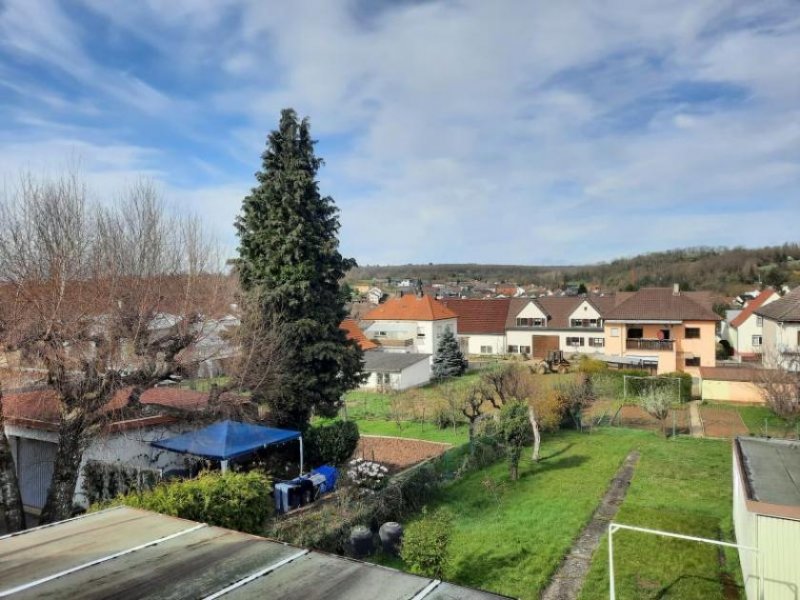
point(476, 316)
point(410, 308)
point(787, 309)
point(39, 409)
point(751, 306)
point(663, 303)
point(354, 333)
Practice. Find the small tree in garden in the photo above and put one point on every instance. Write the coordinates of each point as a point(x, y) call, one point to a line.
point(657, 402)
point(515, 433)
point(449, 360)
point(426, 544)
point(577, 396)
point(781, 388)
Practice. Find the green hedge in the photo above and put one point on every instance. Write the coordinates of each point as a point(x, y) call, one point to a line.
point(331, 444)
point(239, 501)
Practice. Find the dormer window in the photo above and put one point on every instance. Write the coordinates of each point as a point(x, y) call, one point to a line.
point(528, 322)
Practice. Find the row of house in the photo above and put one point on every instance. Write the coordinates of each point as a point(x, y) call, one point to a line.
point(661, 329)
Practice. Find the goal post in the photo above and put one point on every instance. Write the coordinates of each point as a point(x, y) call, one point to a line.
point(614, 527)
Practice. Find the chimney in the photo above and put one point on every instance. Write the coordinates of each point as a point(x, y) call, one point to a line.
point(676, 289)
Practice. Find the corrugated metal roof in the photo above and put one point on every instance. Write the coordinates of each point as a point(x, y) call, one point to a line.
point(129, 553)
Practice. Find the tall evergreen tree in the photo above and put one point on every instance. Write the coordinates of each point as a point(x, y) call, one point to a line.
point(290, 267)
point(448, 360)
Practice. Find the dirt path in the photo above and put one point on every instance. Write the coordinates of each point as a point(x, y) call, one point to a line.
point(568, 580)
point(696, 423)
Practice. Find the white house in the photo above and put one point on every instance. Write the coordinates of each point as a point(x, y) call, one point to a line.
point(745, 331)
point(781, 326)
point(374, 295)
point(393, 371)
point(573, 324)
point(410, 323)
point(481, 324)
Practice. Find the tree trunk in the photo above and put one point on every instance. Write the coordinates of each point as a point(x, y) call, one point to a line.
point(537, 438)
point(10, 496)
point(59, 503)
point(513, 468)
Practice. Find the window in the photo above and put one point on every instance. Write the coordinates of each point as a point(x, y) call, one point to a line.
point(692, 333)
point(524, 349)
point(597, 342)
point(575, 341)
point(757, 341)
point(486, 349)
point(692, 362)
point(513, 349)
point(759, 321)
point(420, 333)
point(615, 332)
point(528, 322)
point(585, 323)
point(635, 333)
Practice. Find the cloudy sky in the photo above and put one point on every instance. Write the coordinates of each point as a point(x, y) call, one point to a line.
point(529, 132)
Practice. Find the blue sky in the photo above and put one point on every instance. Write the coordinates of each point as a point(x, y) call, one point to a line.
point(525, 132)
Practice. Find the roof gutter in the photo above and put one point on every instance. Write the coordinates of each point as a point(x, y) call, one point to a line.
point(646, 321)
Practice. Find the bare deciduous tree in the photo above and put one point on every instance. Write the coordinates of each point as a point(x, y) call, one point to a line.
point(102, 299)
point(781, 387)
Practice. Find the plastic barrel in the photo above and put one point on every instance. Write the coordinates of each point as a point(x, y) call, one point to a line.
point(391, 534)
point(361, 541)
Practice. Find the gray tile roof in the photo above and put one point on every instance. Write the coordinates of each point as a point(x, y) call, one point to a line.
point(391, 362)
point(787, 309)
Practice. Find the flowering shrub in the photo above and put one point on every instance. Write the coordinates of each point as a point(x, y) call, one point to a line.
point(366, 474)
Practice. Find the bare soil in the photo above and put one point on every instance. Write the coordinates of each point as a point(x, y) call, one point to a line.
point(397, 453)
point(722, 423)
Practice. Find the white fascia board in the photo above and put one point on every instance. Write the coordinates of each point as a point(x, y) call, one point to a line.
point(642, 322)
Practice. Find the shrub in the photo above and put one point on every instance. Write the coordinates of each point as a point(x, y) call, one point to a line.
point(591, 366)
point(333, 443)
point(367, 475)
point(426, 543)
point(515, 431)
point(686, 384)
point(238, 501)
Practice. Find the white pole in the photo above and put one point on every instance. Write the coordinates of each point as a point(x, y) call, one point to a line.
point(612, 594)
point(224, 466)
point(301, 455)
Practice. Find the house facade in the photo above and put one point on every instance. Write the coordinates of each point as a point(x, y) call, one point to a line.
point(781, 331)
point(410, 324)
point(745, 331)
point(663, 329)
point(481, 324)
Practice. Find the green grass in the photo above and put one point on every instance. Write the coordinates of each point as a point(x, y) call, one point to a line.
point(754, 416)
point(420, 431)
point(510, 537)
point(684, 486)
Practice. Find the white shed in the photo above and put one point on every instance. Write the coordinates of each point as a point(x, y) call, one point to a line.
point(766, 516)
point(393, 371)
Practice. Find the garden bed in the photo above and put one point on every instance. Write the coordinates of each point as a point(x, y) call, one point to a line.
point(722, 422)
point(397, 453)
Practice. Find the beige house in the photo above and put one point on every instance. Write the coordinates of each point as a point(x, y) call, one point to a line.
point(781, 341)
point(663, 329)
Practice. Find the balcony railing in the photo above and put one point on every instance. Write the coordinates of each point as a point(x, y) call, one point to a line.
point(394, 342)
point(645, 344)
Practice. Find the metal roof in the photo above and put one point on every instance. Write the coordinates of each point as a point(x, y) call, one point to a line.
point(129, 553)
point(391, 362)
point(772, 468)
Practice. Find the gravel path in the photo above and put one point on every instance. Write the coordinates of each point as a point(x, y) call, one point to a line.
point(568, 580)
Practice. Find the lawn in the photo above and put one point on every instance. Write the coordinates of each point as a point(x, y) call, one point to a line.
point(759, 419)
point(420, 431)
point(510, 537)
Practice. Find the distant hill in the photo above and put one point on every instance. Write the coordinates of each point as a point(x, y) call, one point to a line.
point(720, 269)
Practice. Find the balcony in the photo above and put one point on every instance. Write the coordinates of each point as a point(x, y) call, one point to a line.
point(650, 344)
point(388, 342)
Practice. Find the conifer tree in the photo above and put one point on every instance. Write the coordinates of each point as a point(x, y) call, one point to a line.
point(290, 269)
point(448, 360)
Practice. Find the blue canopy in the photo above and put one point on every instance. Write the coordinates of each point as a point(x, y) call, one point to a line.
point(227, 440)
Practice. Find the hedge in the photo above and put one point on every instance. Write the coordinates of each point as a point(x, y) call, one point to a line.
point(332, 444)
point(239, 501)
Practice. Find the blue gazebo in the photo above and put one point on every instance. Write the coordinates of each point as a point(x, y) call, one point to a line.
point(228, 440)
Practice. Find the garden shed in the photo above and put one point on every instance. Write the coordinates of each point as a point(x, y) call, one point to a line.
point(396, 371)
point(731, 384)
point(766, 515)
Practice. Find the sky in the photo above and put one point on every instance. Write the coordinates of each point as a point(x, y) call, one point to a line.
point(515, 132)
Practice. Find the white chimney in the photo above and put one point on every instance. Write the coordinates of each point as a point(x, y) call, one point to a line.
point(676, 289)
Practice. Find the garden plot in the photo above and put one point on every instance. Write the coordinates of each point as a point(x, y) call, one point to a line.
point(722, 422)
point(397, 453)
